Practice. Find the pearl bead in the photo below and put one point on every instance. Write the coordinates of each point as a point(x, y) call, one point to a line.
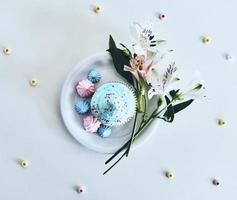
point(33, 82)
point(221, 122)
point(97, 9)
point(206, 40)
point(24, 163)
point(7, 51)
point(162, 16)
point(79, 189)
point(228, 57)
point(215, 182)
point(169, 175)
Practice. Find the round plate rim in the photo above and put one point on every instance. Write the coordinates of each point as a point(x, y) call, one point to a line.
point(140, 141)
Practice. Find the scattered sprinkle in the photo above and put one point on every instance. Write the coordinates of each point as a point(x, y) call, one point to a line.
point(79, 189)
point(97, 9)
point(228, 57)
point(24, 163)
point(7, 51)
point(169, 175)
point(221, 122)
point(206, 40)
point(33, 82)
point(215, 182)
point(162, 16)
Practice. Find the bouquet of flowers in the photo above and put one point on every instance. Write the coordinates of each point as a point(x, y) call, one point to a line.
point(152, 82)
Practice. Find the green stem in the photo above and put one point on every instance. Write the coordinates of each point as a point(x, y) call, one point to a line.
point(140, 131)
point(132, 136)
point(153, 116)
point(145, 110)
point(157, 114)
point(114, 163)
point(125, 145)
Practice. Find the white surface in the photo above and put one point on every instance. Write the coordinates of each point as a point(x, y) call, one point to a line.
point(102, 62)
point(49, 38)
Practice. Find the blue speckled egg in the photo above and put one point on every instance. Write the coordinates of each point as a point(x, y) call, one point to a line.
point(104, 131)
point(82, 106)
point(94, 76)
point(113, 104)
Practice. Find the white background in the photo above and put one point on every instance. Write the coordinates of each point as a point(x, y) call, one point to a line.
point(49, 38)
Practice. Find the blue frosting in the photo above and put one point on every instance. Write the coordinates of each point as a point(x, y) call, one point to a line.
point(113, 104)
point(82, 106)
point(94, 76)
point(104, 131)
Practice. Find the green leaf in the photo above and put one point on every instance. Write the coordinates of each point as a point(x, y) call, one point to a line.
point(160, 41)
point(169, 114)
point(181, 106)
point(126, 49)
point(173, 93)
point(120, 59)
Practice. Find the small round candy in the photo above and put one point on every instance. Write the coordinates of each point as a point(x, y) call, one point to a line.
point(7, 51)
point(206, 40)
point(24, 163)
point(33, 82)
point(215, 182)
point(104, 131)
point(221, 122)
point(82, 106)
point(98, 9)
point(79, 189)
point(94, 76)
point(162, 16)
point(169, 175)
point(228, 57)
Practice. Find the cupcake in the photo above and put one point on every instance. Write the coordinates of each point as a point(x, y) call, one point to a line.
point(85, 88)
point(113, 104)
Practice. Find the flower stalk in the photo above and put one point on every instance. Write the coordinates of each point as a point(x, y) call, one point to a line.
point(137, 70)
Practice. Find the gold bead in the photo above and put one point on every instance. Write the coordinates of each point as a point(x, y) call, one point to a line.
point(24, 163)
point(206, 40)
point(97, 9)
point(221, 122)
point(7, 51)
point(33, 82)
point(169, 175)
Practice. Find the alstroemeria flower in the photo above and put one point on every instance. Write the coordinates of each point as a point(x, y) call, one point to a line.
point(161, 83)
point(195, 88)
point(139, 66)
point(145, 41)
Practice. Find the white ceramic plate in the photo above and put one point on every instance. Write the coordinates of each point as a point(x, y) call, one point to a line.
point(102, 62)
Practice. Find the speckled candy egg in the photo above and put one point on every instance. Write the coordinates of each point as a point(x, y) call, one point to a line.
point(113, 104)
